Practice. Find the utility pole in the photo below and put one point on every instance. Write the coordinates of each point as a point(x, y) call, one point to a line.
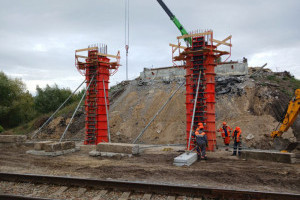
point(127, 34)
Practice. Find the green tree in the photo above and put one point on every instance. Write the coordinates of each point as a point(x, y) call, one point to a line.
point(50, 98)
point(1, 129)
point(16, 103)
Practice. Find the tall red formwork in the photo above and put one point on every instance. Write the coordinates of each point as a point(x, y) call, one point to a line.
point(201, 60)
point(97, 68)
point(209, 93)
point(96, 117)
point(102, 76)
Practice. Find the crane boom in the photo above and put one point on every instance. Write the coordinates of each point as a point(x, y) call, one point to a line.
point(290, 116)
point(175, 21)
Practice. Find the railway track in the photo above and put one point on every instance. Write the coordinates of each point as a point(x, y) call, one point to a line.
point(113, 189)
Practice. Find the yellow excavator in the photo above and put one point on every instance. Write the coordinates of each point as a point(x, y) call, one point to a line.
point(290, 116)
point(293, 111)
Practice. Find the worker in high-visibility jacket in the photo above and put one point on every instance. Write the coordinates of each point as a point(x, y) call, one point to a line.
point(201, 141)
point(225, 133)
point(237, 137)
point(200, 125)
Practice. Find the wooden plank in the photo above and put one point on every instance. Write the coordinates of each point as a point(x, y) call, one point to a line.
point(203, 50)
point(171, 198)
point(124, 196)
point(194, 35)
point(147, 197)
point(86, 49)
point(38, 191)
point(108, 55)
point(59, 191)
point(100, 195)
point(79, 56)
point(229, 37)
point(221, 42)
point(178, 46)
point(81, 191)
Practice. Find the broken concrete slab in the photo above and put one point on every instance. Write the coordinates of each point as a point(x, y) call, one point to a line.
point(55, 146)
point(108, 154)
point(118, 148)
point(13, 138)
point(94, 153)
point(67, 145)
point(40, 145)
point(273, 156)
point(52, 154)
point(51, 147)
point(185, 159)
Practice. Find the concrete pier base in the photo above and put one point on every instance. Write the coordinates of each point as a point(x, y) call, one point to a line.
point(48, 148)
point(118, 148)
point(13, 138)
point(185, 159)
point(115, 149)
point(272, 156)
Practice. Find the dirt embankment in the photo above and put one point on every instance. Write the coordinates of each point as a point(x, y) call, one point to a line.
point(255, 104)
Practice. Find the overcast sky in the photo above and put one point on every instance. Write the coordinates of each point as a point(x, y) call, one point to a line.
point(38, 37)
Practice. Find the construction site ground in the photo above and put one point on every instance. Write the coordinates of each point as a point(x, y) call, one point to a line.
point(155, 164)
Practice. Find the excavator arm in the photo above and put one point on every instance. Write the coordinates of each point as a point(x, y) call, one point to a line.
point(290, 116)
point(175, 21)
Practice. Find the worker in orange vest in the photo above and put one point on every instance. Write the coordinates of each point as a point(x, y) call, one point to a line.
point(225, 132)
point(201, 141)
point(237, 137)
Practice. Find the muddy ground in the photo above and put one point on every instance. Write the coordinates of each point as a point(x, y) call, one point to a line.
point(156, 165)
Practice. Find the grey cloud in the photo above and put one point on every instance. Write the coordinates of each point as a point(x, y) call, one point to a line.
point(38, 37)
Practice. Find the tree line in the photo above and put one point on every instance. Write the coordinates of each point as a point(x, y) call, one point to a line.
point(18, 106)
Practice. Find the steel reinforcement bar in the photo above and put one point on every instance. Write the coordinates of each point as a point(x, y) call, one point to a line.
point(143, 187)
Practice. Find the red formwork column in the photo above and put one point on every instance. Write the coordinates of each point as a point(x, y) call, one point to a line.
point(201, 61)
point(189, 98)
point(209, 65)
point(91, 100)
point(96, 117)
point(103, 75)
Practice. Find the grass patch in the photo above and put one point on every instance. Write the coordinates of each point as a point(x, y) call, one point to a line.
point(273, 78)
point(24, 128)
point(68, 109)
point(295, 83)
point(29, 126)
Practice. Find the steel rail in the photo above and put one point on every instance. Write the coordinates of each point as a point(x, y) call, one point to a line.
point(17, 197)
point(145, 187)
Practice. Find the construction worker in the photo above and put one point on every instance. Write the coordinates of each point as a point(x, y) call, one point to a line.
point(199, 124)
point(225, 132)
point(237, 137)
point(201, 141)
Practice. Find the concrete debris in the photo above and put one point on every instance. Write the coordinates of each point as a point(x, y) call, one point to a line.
point(13, 138)
point(49, 148)
point(58, 146)
point(52, 154)
point(250, 137)
point(266, 155)
point(95, 153)
point(118, 148)
point(185, 159)
point(41, 145)
point(230, 84)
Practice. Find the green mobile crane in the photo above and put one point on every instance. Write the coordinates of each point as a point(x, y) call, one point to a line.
point(175, 21)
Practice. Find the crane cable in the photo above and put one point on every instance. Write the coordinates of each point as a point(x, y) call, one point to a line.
point(126, 34)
